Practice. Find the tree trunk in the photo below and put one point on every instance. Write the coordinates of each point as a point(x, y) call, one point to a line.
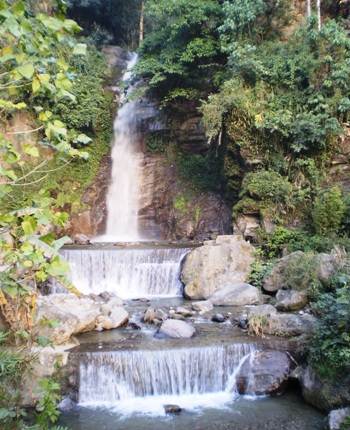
point(142, 21)
point(308, 8)
point(319, 14)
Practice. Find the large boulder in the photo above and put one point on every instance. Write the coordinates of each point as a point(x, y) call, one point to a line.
point(239, 294)
point(299, 269)
point(325, 394)
point(291, 300)
point(60, 316)
point(265, 372)
point(218, 263)
point(336, 418)
point(177, 329)
point(271, 322)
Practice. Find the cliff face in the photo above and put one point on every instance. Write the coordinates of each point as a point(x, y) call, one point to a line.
point(171, 211)
point(171, 207)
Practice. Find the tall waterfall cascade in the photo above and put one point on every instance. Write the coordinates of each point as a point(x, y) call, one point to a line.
point(129, 273)
point(143, 381)
point(123, 193)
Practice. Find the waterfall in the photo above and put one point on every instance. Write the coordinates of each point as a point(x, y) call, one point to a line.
point(129, 273)
point(123, 193)
point(143, 381)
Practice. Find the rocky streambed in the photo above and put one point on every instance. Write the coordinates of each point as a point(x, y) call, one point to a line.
point(192, 343)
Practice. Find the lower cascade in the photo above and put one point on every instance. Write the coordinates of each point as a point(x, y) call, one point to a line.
point(129, 273)
point(144, 381)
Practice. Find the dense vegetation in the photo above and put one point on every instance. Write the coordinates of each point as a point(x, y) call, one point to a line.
point(273, 89)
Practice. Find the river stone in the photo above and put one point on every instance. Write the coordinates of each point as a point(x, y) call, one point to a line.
point(210, 267)
point(219, 318)
point(74, 315)
point(154, 316)
point(66, 405)
point(238, 294)
point(117, 318)
point(181, 310)
point(325, 394)
point(177, 329)
point(203, 307)
point(264, 372)
point(337, 417)
point(172, 409)
point(291, 300)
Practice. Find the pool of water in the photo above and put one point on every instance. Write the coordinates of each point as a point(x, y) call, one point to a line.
point(287, 412)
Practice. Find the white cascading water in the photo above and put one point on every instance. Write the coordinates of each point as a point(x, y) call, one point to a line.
point(144, 381)
point(129, 273)
point(123, 193)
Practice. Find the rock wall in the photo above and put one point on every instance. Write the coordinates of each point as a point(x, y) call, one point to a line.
point(171, 208)
point(171, 212)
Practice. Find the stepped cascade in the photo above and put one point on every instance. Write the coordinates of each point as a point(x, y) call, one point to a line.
point(144, 380)
point(123, 193)
point(129, 273)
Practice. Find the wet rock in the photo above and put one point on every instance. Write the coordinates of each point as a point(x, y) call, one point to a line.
point(264, 372)
point(177, 329)
point(325, 394)
point(181, 310)
point(243, 322)
point(211, 267)
point(219, 318)
point(66, 405)
point(337, 418)
point(291, 300)
point(118, 317)
point(81, 239)
point(134, 326)
point(154, 316)
point(172, 409)
point(239, 294)
point(180, 317)
point(202, 307)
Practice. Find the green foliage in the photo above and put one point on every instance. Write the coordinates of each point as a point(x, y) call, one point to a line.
point(181, 50)
point(330, 350)
point(266, 192)
point(259, 270)
point(47, 407)
point(204, 172)
point(273, 244)
point(328, 211)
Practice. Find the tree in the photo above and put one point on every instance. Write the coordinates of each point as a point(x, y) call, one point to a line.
point(34, 75)
point(181, 51)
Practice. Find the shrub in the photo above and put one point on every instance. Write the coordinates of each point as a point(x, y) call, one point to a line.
point(259, 270)
point(328, 211)
point(330, 349)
